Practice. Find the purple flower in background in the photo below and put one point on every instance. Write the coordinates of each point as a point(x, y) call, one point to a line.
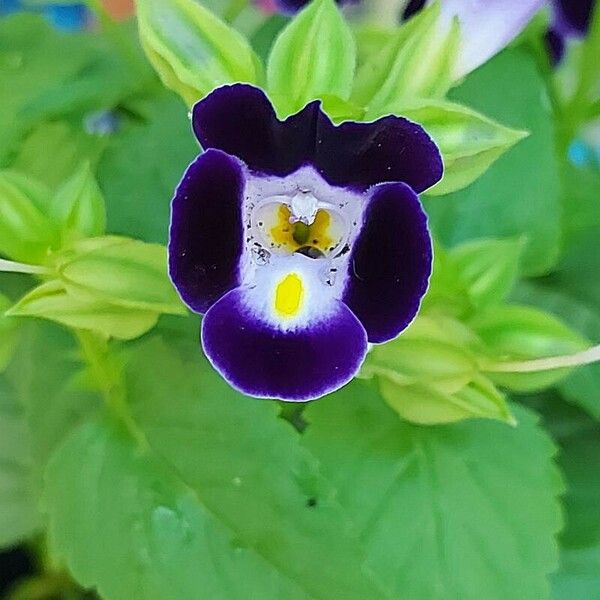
point(290, 6)
point(571, 19)
point(301, 241)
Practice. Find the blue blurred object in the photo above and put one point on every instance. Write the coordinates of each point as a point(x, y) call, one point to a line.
point(66, 17)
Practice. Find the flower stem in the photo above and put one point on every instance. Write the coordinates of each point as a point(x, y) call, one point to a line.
point(9, 266)
point(108, 377)
point(586, 357)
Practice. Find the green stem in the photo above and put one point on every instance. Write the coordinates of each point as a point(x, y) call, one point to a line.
point(108, 377)
point(9, 266)
point(587, 357)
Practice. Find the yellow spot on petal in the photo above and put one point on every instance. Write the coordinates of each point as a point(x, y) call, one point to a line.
point(289, 295)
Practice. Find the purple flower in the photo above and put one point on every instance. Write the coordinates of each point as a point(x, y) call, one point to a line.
point(292, 6)
point(571, 19)
point(301, 241)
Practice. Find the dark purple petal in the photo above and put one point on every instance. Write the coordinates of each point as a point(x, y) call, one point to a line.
point(555, 45)
point(390, 263)
point(292, 6)
point(264, 361)
point(240, 120)
point(206, 234)
point(572, 17)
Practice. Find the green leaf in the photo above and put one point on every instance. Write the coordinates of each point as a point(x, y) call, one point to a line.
point(313, 56)
point(582, 385)
point(469, 142)
point(488, 269)
point(19, 516)
point(515, 333)
point(143, 163)
point(52, 301)
point(127, 272)
point(26, 233)
point(193, 50)
point(415, 63)
point(8, 333)
point(509, 199)
point(78, 206)
point(463, 511)
point(579, 573)
point(180, 524)
point(51, 152)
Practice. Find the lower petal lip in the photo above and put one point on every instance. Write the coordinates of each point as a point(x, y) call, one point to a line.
point(261, 360)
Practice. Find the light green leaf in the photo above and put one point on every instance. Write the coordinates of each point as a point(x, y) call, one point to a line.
point(19, 517)
point(52, 301)
point(78, 206)
point(415, 63)
point(469, 142)
point(465, 511)
point(8, 333)
point(488, 269)
point(128, 273)
point(313, 56)
point(509, 199)
point(26, 234)
point(515, 333)
point(181, 524)
point(193, 50)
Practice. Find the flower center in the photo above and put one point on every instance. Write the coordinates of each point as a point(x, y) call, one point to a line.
point(289, 295)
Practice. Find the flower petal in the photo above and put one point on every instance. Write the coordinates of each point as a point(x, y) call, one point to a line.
point(572, 17)
point(486, 27)
point(266, 361)
point(240, 120)
point(390, 263)
point(206, 235)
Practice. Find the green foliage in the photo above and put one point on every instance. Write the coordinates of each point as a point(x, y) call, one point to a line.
point(520, 195)
point(193, 50)
point(520, 333)
point(416, 62)
point(78, 206)
point(202, 505)
point(313, 56)
point(52, 300)
point(469, 142)
point(19, 517)
point(430, 375)
point(26, 232)
point(142, 165)
point(124, 272)
point(439, 509)
point(8, 333)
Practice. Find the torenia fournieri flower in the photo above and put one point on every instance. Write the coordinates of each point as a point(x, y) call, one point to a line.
point(571, 19)
point(300, 241)
point(290, 6)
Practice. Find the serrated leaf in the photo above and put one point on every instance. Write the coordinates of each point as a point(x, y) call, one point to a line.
point(464, 511)
point(313, 56)
point(515, 333)
point(469, 142)
point(52, 301)
point(415, 63)
point(26, 233)
point(193, 50)
point(78, 206)
point(19, 517)
point(201, 509)
point(128, 273)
